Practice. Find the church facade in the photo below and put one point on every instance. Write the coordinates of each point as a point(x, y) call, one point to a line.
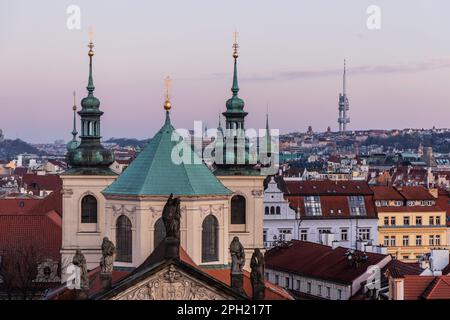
point(217, 204)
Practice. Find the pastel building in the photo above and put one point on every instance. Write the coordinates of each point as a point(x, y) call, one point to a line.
point(410, 221)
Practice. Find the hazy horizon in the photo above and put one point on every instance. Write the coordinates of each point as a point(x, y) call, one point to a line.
point(291, 59)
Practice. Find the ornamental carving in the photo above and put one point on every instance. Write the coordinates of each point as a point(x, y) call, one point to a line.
point(257, 193)
point(119, 210)
point(207, 210)
point(67, 192)
point(169, 284)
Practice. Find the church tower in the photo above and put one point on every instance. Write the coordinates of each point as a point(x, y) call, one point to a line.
point(240, 173)
point(88, 174)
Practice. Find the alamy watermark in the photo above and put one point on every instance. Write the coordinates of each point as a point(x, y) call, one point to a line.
point(229, 146)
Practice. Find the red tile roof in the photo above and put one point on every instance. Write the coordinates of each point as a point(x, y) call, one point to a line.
point(318, 261)
point(398, 269)
point(415, 193)
point(327, 187)
point(41, 232)
point(16, 206)
point(333, 206)
point(386, 193)
point(42, 182)
point(426, 287)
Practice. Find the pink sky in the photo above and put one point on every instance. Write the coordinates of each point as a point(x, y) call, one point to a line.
point(290, 58)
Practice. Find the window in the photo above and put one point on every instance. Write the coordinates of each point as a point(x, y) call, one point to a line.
point(328, 292)
point(278, 210)
point(418, 240)
point(344, 234)
point(437, 240)
point(238, 210)
point(339, 294)
point(304, 235)
point(312, 206)
point(393, 241)
point(357, 205)
point(266, 210)
point(364, 234)
point(89, 209)
point(405, 257)
point(406, 221)
point(392, 221)
point(386, 241)
point(265, 235)
point(285, 234)
point(210, 239)
point(405, 241)
point(319, 290)
point(386, 221)
point(277, 280)
point(418, 220)
point(159, 233)
point(431, 220)
point(124, 239)
point(438, 220)
point(287, 282)
point(272, 210)
point(298, 285)
point(308, 287)
point(431, 240)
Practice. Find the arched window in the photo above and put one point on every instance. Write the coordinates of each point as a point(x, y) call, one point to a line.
point(160, 232)
point(210, 239)
point(278, 210)
point(272, 210)
point(124, 239)
point(266, 211)
point(89, 209)
point(238, 210)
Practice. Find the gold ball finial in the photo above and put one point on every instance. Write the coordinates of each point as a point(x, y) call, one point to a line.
point(167, 84)
point(167, 105)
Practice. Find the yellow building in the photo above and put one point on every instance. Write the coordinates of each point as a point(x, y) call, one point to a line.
point(410, 223)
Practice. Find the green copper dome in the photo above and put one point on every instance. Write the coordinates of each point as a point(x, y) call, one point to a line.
point(154, 172)
point(89, 156)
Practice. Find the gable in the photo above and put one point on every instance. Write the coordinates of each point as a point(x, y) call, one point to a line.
point(171, 283)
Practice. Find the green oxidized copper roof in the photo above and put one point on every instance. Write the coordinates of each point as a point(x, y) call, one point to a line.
point(154, 173)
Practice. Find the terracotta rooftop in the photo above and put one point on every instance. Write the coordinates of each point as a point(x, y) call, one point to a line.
point(386, 193)
point(415, 193)
point(327, 187)
point(426, 287)
point(319, 261)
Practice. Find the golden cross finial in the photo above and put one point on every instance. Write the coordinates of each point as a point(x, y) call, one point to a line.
point(167, 84)
point(74, 101)
point(91, 34)
point(235, 44)
point(91, 41)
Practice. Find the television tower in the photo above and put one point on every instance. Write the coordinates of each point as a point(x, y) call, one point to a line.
point(343, 106)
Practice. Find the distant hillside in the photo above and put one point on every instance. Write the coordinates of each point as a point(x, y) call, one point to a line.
point(439, 141)
point(9, 149)
point(124, 142)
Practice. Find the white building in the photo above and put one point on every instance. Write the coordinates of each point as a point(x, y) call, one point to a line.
point(321, 211)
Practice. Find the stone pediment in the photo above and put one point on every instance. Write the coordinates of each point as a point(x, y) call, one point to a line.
point(171, 283)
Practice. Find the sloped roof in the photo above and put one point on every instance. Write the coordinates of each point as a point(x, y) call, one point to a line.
point(318, 261)
point(426, 287)
point(386, 193)
point(154, 172)
point(327, 187)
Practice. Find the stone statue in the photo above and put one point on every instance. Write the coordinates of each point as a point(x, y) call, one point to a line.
point(171, 216)
point(108, 255)
point(257, 275)
point(237, 256)
point(80, 261)
point(237, 264)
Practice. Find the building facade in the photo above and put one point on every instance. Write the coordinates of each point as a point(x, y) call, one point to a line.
point(410, 222)
point(322, 212)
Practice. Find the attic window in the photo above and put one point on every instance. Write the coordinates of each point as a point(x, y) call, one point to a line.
point(21, 204)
